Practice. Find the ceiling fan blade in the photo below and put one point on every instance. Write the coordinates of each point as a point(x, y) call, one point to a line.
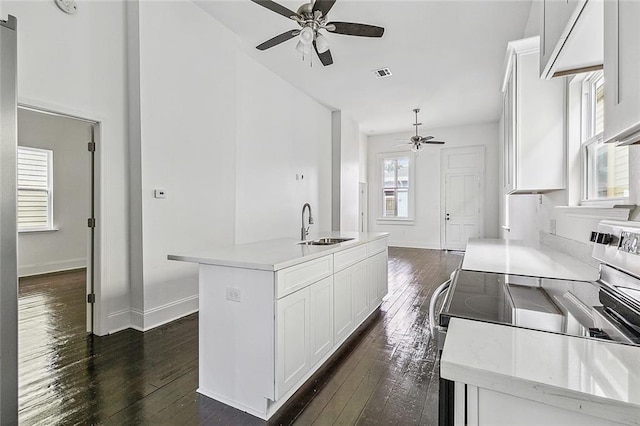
point(361, 30)
point(435, 142)
point(325, 57)
point(278, 39)
point(277, 8)
point(323, 6)
point(402, 144)
point(426, 138)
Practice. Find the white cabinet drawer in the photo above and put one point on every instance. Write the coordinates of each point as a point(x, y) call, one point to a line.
point(377, 246)
point(346, 258)
point(299, 276)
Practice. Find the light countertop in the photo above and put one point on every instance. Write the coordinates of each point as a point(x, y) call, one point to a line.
point(592, 377)
point(273, 255)
point(519, 258)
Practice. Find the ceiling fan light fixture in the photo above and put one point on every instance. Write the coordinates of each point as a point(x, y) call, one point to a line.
point(305, 49)
point(322, 44)
point(416, 147)
point(306, 35)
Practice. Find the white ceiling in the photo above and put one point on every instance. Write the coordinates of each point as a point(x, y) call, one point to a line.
point(446, 57)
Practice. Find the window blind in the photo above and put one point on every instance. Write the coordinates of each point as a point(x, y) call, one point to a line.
point(34, 188)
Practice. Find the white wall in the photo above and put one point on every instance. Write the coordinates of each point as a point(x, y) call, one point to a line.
point(225, 138)
point(76, 64)
point(364, 150)
point(281, 133)
point(349, 173)
point(348, 146)
point(186, 147)
point(66, 248)
point(425, 232)
point(183, 111)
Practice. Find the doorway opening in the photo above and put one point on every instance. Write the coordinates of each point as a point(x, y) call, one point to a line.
point(56, 210)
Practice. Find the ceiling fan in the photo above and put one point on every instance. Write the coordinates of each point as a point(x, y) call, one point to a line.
point(417, 141)
point(312, 17)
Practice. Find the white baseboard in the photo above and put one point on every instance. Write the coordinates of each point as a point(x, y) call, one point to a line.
point(119, 321)
point(137, 319)
point(410, 244)
point(170, 312)
point(152, 318)
point(49, 267)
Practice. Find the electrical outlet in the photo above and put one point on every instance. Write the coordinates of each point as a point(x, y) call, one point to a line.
point(234, 294)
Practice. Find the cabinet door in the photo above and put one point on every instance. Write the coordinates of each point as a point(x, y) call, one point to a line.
point(539, 121)
point(621, 71)
point(377, 279)
point(509, 133)
point(321, 319)
point(342, 316)
point(373, 282)
point(359, 287)
point(292, 356)
point(557, 16)
point(382, 263)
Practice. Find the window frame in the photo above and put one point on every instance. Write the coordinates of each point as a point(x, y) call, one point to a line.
point(381, 219)
point(49, 191)
point(589, 137)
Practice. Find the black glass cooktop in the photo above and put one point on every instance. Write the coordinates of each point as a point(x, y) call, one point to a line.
point(538, 303)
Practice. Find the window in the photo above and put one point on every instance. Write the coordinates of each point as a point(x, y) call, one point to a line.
point(606, 167)
point(35, 211)
point(396, 192)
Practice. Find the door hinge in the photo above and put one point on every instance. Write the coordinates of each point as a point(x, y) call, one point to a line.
point(91, 146)
point(91, 222)
point(91, 298)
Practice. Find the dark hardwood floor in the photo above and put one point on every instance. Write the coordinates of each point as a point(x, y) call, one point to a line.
point(386, 374)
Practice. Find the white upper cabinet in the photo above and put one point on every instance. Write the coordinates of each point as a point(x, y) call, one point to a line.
point(533, 118)
point(571, 37)
point(622, 71)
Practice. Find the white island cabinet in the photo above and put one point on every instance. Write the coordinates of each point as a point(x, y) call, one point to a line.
point(521, 377)
point(271, 313)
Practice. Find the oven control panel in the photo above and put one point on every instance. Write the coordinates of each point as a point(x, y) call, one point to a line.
point(629, 242)
point(617, 244)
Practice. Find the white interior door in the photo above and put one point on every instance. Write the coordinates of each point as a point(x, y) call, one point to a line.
point(463, 192)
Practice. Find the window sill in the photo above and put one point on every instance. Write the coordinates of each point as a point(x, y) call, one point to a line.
point(607, 203)
point(37, 230)
point(390, 221)
point(595, 210)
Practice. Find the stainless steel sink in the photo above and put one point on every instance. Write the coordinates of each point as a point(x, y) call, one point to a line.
point(324, 241)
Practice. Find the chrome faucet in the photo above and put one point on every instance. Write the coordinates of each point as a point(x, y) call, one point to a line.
point(305, 231)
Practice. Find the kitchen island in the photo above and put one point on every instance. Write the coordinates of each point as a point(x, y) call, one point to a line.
point(521, 376)
point(272, 312)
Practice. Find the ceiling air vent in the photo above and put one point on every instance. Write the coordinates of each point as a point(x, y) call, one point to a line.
point(382, 73)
